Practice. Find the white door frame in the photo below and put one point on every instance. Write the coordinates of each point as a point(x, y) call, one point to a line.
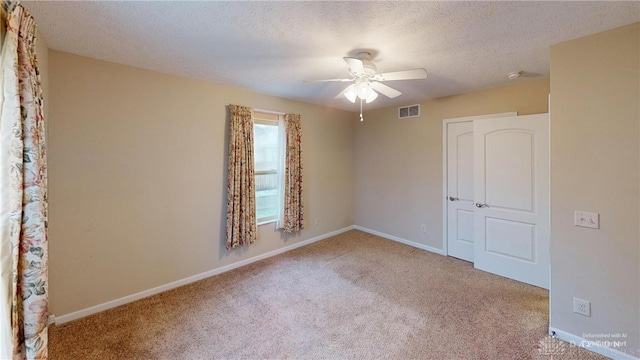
point(445, 122)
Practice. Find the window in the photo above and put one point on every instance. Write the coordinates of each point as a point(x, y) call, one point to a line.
point(266, 139)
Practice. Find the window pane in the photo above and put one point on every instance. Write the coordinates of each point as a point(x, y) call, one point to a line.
point(266, 197)
point(266, 163)
point(266, 147)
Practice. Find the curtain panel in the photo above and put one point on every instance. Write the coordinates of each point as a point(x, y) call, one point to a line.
point(293, 207)
point(241, 187)
point(23, 191)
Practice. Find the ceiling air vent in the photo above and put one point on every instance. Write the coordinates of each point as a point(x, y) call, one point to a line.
point(408, 111)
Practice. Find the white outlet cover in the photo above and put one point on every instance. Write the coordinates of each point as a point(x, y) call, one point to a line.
point(582, 307)
point(586, 219)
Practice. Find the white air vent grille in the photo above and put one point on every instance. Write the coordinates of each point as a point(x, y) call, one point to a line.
point(408, 111)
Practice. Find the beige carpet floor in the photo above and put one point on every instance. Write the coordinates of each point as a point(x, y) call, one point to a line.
point(352, 296)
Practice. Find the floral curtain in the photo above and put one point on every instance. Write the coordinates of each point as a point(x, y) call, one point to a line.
point(241, 187)
point(293, 208)
point(23, 192)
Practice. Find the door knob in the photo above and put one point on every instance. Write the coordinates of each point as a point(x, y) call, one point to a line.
point(451, 198)
point(479, 205)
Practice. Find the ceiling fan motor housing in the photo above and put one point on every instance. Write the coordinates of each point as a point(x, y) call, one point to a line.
point(370, 69)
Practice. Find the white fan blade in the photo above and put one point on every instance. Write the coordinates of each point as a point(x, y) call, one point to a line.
point(416, 74)
point(385, 90)
point(326, 80)
point(344, 91)
point(355, 65)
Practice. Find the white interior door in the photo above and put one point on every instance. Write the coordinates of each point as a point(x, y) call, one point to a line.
point(458, 184)
point(460, 190)
point(511, 194)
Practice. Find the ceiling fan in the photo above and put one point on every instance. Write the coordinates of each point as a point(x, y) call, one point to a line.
point(368, 82)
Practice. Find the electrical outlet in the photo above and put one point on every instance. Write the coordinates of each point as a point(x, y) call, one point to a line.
point(423, 228)
point(586, 219)
point(582, 307)
point(317, 221)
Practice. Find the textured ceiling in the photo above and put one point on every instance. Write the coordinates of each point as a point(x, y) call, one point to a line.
point(271, 47)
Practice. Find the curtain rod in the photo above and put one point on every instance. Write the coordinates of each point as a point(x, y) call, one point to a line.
point(269, 112)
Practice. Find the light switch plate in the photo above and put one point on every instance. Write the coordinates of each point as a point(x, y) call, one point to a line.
point(586, 219)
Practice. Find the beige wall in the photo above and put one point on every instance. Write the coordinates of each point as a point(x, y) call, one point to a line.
point(399, 162)
point(595, 166)
point(137, 176)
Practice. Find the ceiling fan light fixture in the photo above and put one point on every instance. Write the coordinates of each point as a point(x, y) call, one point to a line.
point(364, 90)
point(351, 93)
point(372, 96)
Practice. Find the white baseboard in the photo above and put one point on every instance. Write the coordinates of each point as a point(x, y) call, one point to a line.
point(172, 285)
point(400, 240)
point(592, 346)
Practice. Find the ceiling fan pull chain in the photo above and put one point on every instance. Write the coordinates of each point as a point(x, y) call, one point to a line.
point(361, 118)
